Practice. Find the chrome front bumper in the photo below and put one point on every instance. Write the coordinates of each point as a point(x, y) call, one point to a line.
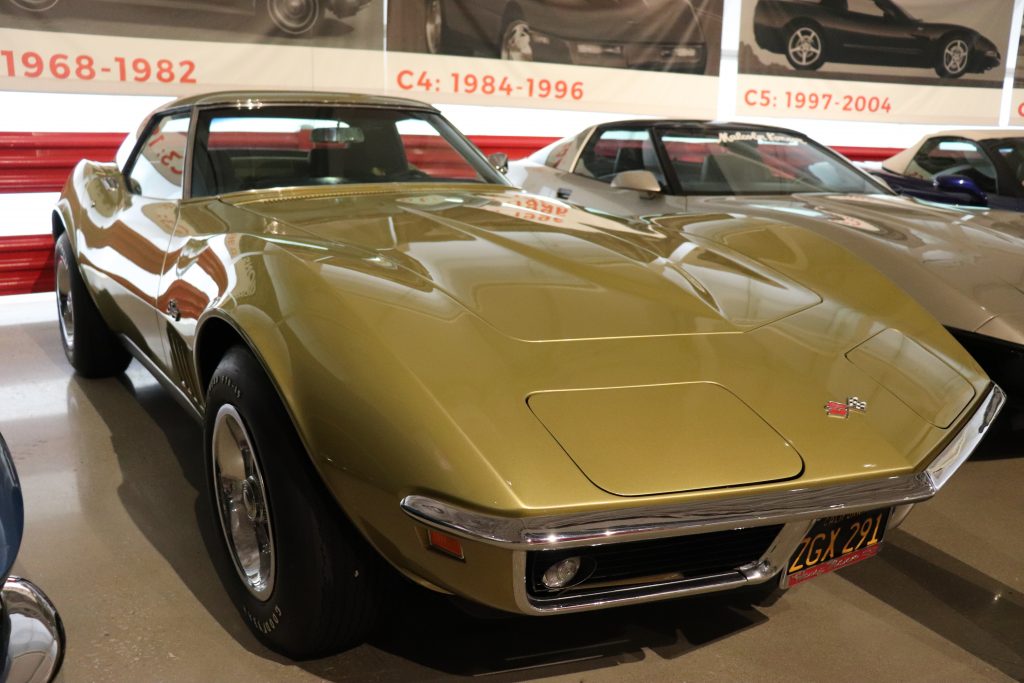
point(34, 647)
point(795, 508)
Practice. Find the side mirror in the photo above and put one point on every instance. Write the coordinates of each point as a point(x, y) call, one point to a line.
point(499, 160)
point(963, 187)
point(643, 182)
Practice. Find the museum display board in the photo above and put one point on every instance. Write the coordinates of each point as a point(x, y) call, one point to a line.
point(887, 61)
point(176, 47)
point(643, 56)
point(910, 61)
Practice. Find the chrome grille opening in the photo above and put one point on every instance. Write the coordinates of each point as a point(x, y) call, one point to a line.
point(639, 567)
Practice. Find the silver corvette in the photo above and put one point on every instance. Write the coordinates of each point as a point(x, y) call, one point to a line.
point(965, 266)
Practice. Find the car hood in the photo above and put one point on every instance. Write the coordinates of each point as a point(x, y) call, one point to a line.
point(653, 358)
point(544, 271)
point(965, 267)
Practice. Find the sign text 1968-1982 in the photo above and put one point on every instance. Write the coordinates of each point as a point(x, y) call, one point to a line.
point(30, 64)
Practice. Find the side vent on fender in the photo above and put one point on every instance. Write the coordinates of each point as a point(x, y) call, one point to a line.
point(181, 359)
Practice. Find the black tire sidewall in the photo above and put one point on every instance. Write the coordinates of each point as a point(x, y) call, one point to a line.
point(306, 29)
point(97, 352)
point(319, 564)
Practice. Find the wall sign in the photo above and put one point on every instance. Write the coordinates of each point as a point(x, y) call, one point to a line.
point(893, 61)
point(641, 56)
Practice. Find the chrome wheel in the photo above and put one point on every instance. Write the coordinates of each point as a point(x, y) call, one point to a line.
point(434, 26)
point(517, 44)
point(294, 16)
point(804, 46)
point(65, 307)
point(242, 505)
point(35, 5)
point(955, 56)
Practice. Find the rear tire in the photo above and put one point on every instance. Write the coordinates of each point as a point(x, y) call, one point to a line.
point(91, 348)
point(298, 572)
point(434, 32)
point(294, 17)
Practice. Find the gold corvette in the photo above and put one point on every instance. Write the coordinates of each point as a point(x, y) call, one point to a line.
point(396, 355)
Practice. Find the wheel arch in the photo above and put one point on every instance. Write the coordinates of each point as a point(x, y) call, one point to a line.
point(218, 332)
point(803, 21)
point(213, 339)
point(61, 220)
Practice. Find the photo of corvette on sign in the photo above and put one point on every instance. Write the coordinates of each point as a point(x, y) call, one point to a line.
point(907, 41)
point(628, 55)
point(656, 35)
point(327, 23)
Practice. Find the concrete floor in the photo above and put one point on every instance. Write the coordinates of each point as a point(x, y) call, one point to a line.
point(116, 535)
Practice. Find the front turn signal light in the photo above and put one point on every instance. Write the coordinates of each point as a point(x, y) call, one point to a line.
point(442, 542)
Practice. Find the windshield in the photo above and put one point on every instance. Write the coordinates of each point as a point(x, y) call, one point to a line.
point(758, 162)
point(295, 145)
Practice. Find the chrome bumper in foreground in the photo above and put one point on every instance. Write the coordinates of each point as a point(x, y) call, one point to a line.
point(796, 508)
point(34, 647)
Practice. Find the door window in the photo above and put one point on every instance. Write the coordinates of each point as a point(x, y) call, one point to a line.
point(866, 7)
point(616, 150)
point(954, 157)
point(158, 169)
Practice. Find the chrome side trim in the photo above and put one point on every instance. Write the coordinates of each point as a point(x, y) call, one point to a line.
point(629, 524)
point(35, 645)
point(176, 392)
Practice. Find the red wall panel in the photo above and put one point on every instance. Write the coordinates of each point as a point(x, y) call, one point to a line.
point(26, 264)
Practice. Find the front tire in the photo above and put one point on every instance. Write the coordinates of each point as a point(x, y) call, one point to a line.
point(91, 348)
point(297, 571)
point(294, 16)
point(954, 57)
point(805, 47)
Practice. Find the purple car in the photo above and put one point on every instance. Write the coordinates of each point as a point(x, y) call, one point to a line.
point(981, 168)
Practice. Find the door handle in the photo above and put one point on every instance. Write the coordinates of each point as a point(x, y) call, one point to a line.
point(563, 193)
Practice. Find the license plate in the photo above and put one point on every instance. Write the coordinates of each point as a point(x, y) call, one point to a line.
point(837, 542)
